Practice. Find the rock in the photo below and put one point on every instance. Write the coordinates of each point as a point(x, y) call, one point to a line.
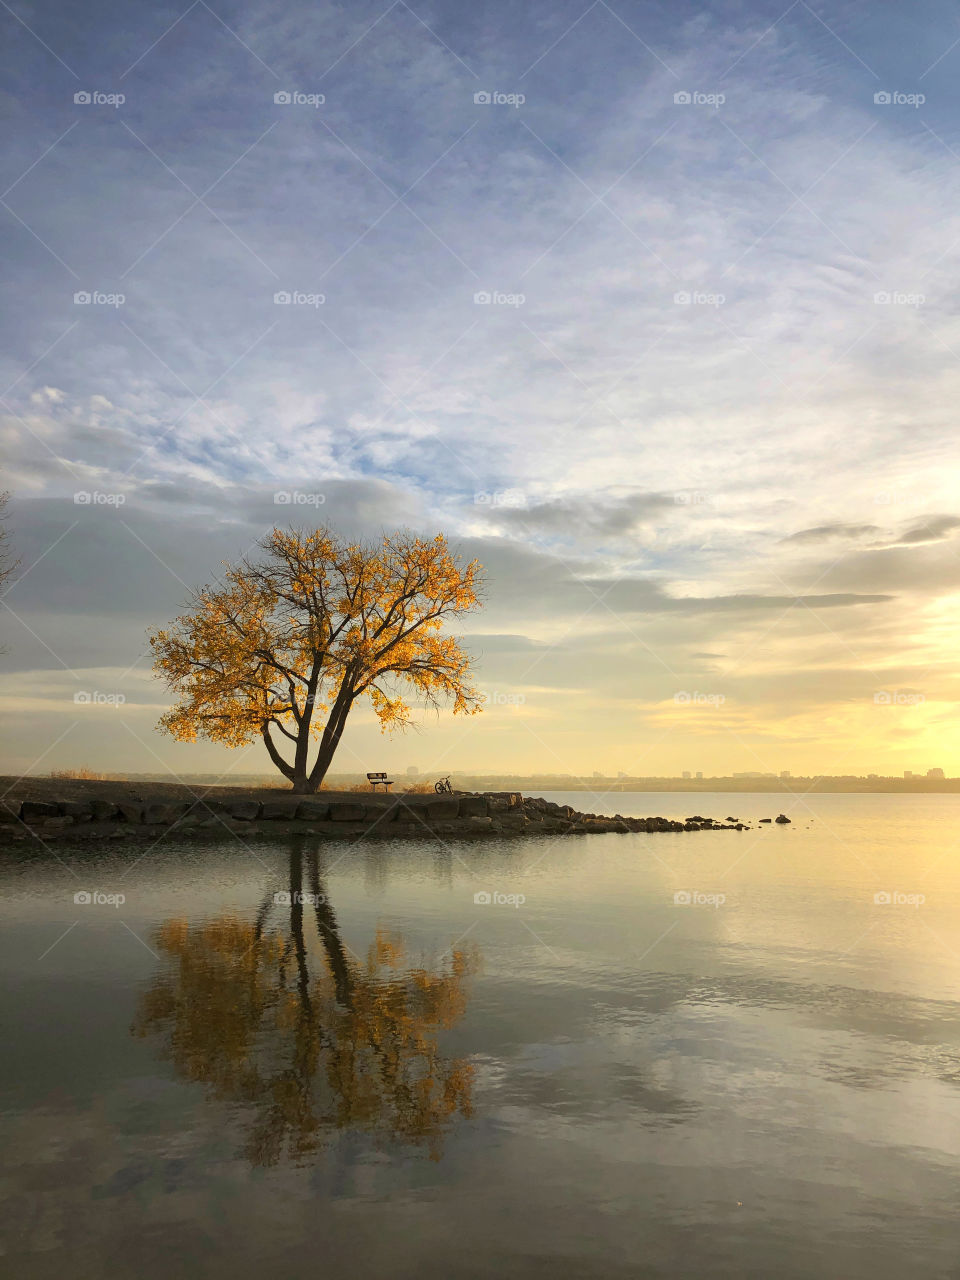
point(782, 818)
point(501, 801)
point(244, 810)
point(473, 807)
point(340, 811)
point(79, 810)
point(35, 810)
point(315, 810)
point(164, 814)
point(103, 811)
point(130, 812)
point(442, 810)
point(766, 819)
point(282, 810)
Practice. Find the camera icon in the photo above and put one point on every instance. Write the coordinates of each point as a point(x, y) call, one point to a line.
point(483, 898)
point(283, 498)
point(882, 899)
point(82, 898)
point(82, 99)
point(682, 697)
point(682, 298)
point(882, 99)
point(482, 299)
point(81, 299)
point(282, 899)
point(682, 99)
point(81, 697)
point(282, 299)
point(282, 98)
point(882, 298)
point(482, 99)
point(82, 499)
point(682, 898)
point(882, 698)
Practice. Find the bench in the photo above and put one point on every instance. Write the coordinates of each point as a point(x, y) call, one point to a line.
point(379, 780)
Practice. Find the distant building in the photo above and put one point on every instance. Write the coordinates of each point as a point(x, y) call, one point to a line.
point(784, 773)
point(621, 774)
point(685, 774)
point(908, 773)
point(412, 771)
point(596, 774)
point(934, 773)
point(873, 775)
point(700, 775)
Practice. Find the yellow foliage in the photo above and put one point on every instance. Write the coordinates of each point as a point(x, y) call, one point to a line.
point(291, 643)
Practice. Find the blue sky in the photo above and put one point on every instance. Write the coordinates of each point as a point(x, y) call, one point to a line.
point(714, 325)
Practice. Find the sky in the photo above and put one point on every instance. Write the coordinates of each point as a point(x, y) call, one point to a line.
point(649, 307)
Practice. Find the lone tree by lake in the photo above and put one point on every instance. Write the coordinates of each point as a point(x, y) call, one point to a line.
point(283, 648)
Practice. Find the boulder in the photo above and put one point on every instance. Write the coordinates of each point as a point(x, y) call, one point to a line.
point(130, 811)
point(163, 814)
point(314, 810)
point(243, 810)
point(35, 810)
point(102, 810)
point(79, 810)
point(782, 818)
point(766, 819)
point(501, 801)
point(343, 811)
point(473, 806)
point(282, 810)
point(443, 810)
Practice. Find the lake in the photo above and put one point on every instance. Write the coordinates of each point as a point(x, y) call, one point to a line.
point(698, 1054)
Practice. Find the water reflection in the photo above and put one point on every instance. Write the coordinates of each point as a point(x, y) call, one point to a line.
point(279, 1015)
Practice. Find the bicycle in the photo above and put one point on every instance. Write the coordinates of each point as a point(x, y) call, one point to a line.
point(443, 787)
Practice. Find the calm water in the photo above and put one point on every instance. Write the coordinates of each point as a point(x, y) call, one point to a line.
point(390, 1078)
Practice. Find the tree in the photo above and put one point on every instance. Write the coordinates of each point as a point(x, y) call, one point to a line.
point(8, 564)
point(308, 1036)
point(290, 644)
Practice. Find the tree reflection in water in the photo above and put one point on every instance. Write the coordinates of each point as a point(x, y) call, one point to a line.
point(311, 1037)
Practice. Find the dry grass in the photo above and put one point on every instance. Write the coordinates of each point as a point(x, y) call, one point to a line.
point(85, 775)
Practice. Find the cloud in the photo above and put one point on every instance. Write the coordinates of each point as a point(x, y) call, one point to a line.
point(828, 532)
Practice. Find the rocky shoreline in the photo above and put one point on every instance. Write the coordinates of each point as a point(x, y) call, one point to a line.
point(340, 815)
